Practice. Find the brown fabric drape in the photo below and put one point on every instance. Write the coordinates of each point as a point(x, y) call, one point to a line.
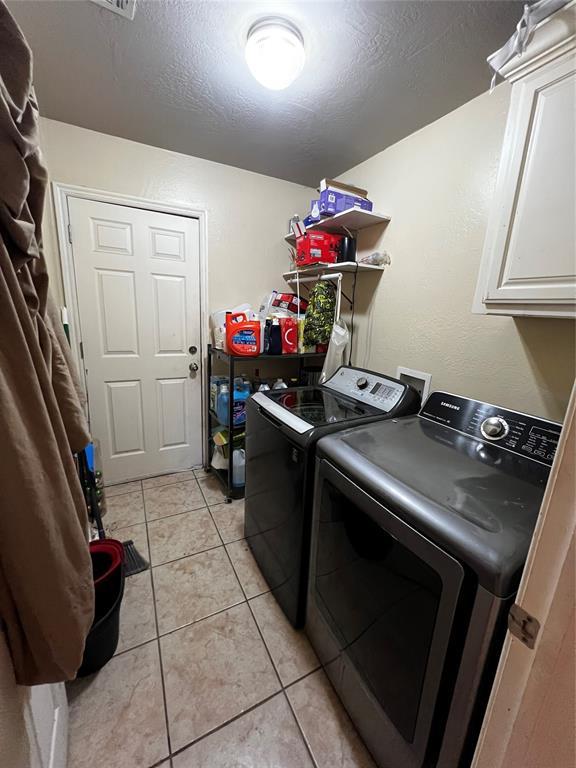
point(46, 590)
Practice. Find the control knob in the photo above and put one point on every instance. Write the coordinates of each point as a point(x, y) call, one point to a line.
point(494, 428)
point(362, 382)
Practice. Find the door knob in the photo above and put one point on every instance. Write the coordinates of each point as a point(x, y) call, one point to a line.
point(193, 367)
point(192, 349)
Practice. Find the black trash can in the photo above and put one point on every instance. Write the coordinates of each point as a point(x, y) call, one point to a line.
point(108, 572)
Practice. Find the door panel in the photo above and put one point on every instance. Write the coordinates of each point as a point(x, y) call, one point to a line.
point(172, 415)
point(169, 314)
point(117, 312)
point(534, 226)
point(125, 417)
point(137, 280)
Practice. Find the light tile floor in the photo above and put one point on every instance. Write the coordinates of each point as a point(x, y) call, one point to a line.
point(208, 672)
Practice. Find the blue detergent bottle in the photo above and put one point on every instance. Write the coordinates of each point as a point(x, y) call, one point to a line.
point(241, 395)
point(222, 404)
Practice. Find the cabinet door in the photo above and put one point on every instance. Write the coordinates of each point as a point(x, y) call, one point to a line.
point(530, 244)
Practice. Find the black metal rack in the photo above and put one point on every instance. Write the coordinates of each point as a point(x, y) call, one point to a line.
point(225, 476)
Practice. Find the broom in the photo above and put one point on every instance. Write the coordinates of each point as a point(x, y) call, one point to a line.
point(91, 480)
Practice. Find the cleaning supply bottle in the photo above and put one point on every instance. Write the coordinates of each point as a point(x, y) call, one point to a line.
point(238, 467)
point(266, 345)
point(242, 335)
point(275, 347)
point(241, 393)
point(279, 384)
point(222, 404)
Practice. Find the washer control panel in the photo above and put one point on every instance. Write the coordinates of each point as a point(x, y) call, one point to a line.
point(527, 436)
point(367, 387)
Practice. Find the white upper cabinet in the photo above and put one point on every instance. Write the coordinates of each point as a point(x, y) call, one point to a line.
point(529, 260)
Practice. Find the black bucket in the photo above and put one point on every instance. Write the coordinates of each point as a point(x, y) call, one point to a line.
point(102, 639)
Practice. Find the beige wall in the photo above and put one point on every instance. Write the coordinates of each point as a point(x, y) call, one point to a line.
point(247, 212)
point(437, 186)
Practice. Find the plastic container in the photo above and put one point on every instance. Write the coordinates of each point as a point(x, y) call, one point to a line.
point(218, 323)
point(242, 335)
point(238, 467)
point(275, 346)
point(241, 395)
point(108, 573)
point(222, 404)
point(215, 384)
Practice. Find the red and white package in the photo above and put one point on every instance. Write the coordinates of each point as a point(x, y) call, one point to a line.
point(288, 302)
point(289, 333)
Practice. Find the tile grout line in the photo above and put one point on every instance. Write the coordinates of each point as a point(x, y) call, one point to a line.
point(175, 514)
point(248, 601)
point(228, 557)
point(249, 607)
point(203, 618)
point(282, 688)
point(295, 716)
point(200, 552)
point(170, 752)
point(224, 725)
point(163, 683)
point(142, 480)
point(263, 701)
point(122, 493)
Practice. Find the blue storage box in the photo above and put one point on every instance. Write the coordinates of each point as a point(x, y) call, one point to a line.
point(332, 202)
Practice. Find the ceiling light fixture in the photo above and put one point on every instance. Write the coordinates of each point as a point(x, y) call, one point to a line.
point(275, 52)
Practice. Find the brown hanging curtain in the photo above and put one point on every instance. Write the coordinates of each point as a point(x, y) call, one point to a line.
point(46, 589)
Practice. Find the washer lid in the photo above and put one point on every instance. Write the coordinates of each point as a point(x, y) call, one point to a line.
point(475, 500)
point(316, 406)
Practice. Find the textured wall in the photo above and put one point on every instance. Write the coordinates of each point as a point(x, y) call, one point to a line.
point(247, 212)
point(437, 185)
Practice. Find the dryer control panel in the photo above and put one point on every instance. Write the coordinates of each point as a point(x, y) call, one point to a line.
point(367, 387)
point(525, 435)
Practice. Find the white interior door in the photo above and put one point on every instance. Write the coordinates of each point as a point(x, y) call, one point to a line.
point(138, 288)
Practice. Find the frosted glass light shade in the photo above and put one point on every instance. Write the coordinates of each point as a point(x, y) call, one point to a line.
point(275, 53)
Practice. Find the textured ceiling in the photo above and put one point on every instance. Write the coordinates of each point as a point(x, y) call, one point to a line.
point(175, 77)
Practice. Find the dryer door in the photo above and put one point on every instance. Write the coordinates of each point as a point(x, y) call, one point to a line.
point(382, 605)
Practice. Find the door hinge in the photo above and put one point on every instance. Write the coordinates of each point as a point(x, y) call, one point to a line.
point(82, 350)
point(69, 233)
point(523, 626)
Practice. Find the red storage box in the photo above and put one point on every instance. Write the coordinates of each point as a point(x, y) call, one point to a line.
point(317, 248)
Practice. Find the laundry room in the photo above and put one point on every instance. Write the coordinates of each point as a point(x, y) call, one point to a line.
point(287, 367)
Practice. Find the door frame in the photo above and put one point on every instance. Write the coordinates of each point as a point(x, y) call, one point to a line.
point(518, 722)
point(60, 195)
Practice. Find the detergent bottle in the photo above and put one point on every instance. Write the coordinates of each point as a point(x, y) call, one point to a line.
point(222, 404)
point(242, 335)
point(238, 467)
point(241, 393)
